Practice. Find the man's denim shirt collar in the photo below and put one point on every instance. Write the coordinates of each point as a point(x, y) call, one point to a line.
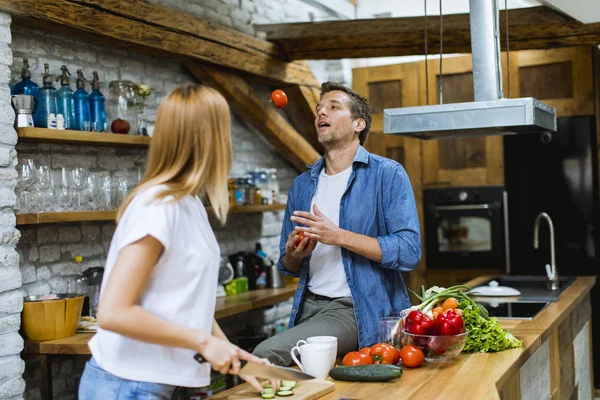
point(361, 156)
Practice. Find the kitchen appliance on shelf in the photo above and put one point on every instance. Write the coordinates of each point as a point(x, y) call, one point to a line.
point(465, 228)
point(556, 174)
point(226, 275)
point(248, 264)
point(25, 106)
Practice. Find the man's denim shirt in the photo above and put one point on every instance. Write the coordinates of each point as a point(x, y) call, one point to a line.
point(378, 202)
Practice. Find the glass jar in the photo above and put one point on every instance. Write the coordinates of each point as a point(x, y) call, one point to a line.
point(121, 110)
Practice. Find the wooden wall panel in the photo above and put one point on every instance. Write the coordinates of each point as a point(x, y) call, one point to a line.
point(386, 94)
point(553, 63)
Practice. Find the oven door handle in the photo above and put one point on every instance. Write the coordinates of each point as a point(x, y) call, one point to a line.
point(463, 207)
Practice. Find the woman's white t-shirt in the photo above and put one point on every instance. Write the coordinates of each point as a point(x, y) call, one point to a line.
point(181, 289)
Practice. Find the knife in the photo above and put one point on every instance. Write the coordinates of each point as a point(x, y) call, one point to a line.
point(267, 371)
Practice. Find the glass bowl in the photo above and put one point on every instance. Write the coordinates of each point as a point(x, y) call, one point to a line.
point(437, 348)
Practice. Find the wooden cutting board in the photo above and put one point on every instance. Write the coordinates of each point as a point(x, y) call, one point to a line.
point(304, 390)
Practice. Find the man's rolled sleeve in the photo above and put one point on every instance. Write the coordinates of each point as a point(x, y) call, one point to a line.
point(286, 228)
point(401, 247)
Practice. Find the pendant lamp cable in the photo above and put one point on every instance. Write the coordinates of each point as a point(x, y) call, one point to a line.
point(426, 62)
point(507, 47)
point(441, 90)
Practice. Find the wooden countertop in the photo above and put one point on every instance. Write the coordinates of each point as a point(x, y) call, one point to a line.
point(225, 307)
point(472, 376)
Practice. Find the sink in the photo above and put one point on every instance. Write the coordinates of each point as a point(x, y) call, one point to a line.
point(513, 310)
point(532, 288)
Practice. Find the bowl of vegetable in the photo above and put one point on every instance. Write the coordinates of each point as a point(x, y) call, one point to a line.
point(437, 348)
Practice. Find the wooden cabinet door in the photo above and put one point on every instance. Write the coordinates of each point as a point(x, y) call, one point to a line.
point(467, 161)
point(561, 78)
point(393, 86)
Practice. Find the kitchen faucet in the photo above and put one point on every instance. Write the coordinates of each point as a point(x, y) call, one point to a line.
point(553, 273)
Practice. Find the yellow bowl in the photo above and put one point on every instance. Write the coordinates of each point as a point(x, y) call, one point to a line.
point(51, 319)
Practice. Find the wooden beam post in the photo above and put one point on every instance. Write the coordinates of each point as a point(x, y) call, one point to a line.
point(529, 28)
point(257, 111)
point(147, 28)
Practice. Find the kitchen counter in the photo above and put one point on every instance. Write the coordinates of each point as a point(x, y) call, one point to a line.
point(554, 362)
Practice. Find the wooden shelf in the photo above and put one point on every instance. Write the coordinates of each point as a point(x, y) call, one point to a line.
point(80, 137)
point(225, 307)
point(82, 216)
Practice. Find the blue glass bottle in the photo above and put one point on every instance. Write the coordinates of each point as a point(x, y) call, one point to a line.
point(48, 100)
point(82, 104)
point(97, 110)
point(66, 99)
point(27, 86)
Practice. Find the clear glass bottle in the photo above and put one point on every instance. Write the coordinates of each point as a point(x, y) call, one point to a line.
point(82, 104)
point(97, 110)
point(121, 107)
point(66, 98)
point(48, 101)
point(273, 184)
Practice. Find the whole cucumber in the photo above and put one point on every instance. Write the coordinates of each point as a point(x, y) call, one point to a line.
point(366, 373)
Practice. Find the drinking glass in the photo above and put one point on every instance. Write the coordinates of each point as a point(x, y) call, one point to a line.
point(63, 195)
point(43, 188)
point(79, 182)
point(27, 178)
point(390, 330)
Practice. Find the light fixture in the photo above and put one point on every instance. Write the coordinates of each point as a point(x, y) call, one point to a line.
point(490, 113)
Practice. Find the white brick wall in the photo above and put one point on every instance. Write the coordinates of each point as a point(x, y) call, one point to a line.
point(11, 301)
point(46, 252)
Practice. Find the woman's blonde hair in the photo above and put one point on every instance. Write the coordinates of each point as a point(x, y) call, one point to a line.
point(190, 151)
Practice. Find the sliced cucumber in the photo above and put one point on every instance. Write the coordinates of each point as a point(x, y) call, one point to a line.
point(288, 384)
point(268, 390)
point(268, 387)
point(267, 395)
point(284, 393)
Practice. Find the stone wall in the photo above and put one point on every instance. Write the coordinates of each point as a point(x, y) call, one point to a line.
point(45, 254)
point(11, 300)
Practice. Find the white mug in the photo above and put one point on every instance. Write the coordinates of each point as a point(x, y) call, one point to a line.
point(315, 357)
point(329, 340)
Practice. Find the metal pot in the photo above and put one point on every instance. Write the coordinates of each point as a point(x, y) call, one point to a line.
point(275, 279)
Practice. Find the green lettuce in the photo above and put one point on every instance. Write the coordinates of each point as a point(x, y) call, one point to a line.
point(485, 333)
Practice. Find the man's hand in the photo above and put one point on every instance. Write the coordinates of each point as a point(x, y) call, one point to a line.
point(319, 227)
point(305, 245)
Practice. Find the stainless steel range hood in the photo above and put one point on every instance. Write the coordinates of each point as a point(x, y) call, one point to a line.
point(490, 113)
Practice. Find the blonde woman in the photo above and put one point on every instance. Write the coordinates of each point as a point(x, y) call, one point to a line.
point(159, 291)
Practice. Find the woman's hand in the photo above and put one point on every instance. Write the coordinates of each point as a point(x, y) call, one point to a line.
point(225, 357)
point(252, 380)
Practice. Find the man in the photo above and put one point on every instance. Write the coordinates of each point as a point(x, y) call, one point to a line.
point(357, 214)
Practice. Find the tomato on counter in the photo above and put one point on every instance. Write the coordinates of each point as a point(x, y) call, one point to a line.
point(279, 98)
point(411, 356)
point(356, 358)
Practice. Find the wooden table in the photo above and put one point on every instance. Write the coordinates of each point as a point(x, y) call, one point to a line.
point(47, 351)
point(496, 375)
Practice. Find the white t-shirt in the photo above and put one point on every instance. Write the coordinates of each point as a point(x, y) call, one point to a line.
point(326, 273)
point(181, 289)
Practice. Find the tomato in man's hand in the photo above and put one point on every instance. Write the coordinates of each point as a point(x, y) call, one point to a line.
point(279, 98)
point(382, 354)
point(356, 358)
point(411, 356)
point(300, 238)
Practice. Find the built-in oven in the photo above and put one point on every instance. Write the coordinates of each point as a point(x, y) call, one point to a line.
point(466, 228)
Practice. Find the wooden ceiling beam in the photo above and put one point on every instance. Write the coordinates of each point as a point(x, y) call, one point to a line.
point(147, 28)
point(259, 113)
point(529, 28)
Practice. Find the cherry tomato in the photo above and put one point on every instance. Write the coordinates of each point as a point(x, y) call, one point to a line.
point(411, 356)
point(279, 98)
point(382, 354)
point(356, 358)
point(300, 238)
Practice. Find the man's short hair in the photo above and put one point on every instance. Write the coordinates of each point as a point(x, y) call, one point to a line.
point(359, 106)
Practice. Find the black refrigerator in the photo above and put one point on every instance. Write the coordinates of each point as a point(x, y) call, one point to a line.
point(556, 174)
